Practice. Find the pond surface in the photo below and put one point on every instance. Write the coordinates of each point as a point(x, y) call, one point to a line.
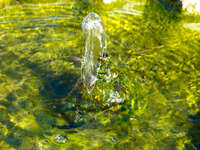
point(154, 52)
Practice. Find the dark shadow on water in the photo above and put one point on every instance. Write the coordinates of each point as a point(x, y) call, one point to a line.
point(59, 86)
point(61, 93)
point(194, 132)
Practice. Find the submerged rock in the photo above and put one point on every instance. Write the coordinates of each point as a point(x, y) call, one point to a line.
point(191, 6)
point(173, 5)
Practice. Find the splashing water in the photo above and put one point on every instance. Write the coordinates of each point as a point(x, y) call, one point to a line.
point(95, 46)
point(96, 62)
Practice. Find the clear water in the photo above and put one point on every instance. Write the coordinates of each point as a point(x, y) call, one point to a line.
point(154, 54)
point(95, 45)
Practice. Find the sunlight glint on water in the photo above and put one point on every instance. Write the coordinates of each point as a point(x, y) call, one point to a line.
point(154, 68)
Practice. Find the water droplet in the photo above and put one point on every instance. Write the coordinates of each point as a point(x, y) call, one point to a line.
point(113, 139)
point(61, 139)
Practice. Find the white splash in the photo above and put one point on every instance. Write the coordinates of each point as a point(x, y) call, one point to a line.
point(95, 45)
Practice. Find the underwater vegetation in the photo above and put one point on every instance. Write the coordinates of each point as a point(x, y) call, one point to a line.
point(153, 58)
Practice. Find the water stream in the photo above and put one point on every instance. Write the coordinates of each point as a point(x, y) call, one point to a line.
point(95, 46)
point(96, 62)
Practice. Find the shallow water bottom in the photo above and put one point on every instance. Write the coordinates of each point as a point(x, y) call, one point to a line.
point(44, 106)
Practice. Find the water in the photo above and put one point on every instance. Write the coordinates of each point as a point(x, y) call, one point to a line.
point(96, 62)
point(191, 6)
point(95, 46)
point(154, 66)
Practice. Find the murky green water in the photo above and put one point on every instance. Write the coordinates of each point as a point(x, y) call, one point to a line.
point(44, 106)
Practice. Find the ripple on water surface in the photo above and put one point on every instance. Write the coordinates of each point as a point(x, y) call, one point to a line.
point(153, 56)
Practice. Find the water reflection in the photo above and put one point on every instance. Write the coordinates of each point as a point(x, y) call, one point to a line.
point(192, 26)
point(191, 6)
point(108, 1)
point(128, 9)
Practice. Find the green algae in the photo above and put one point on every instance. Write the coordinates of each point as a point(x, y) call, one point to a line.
point(154, 55)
